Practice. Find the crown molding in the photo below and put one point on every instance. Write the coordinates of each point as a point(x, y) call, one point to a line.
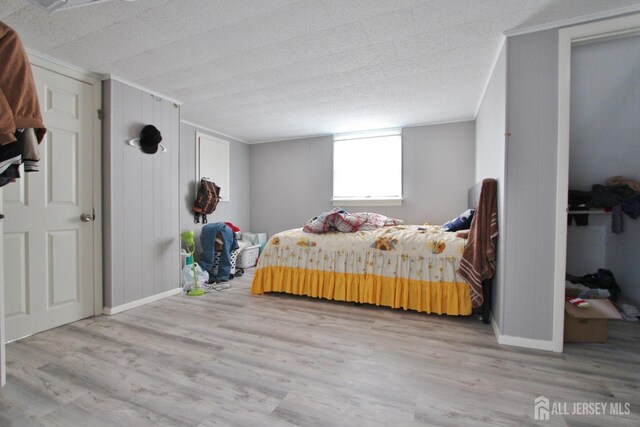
point(109, 76)
point(574, 20)
point(292, 138)
point(50, 59)
point(217, 132)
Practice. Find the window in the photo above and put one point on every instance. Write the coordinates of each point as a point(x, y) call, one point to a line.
point(367, 169)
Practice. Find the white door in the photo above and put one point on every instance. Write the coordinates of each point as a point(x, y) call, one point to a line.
point(48, 248)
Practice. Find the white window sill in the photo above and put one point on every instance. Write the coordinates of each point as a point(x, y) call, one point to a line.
point(367, 202)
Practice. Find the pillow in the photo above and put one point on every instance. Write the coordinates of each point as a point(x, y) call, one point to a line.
point(347, 222)
point(462, 222)
point(322, 223)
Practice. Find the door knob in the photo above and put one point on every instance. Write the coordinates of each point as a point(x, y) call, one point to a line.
point(87, 217)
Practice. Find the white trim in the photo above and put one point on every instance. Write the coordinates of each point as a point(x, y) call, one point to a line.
point(108, 76)
point(61, 5)
point(495, 327)
point(521, 342)
point(439, 123)
point(186, 122)
point(110, 311)
point(350, 199)
point(62, 67)
point(292, 138)
point(526, 342)
point(375, 133)
point(573, 20)
point(566, 37)
point(95, 82)
point(98, 288)
point(224, 182)
point(367, 202)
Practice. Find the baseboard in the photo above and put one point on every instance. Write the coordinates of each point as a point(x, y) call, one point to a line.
point(133, 304)
point(519, 341)
point(496, 328)
point(525, 342)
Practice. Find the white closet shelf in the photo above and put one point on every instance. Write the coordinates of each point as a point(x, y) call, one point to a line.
point(589, 212)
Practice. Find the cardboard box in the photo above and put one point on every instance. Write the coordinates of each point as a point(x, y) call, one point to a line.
point(588, 324)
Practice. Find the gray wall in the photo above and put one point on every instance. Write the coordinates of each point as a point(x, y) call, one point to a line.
point(141, 227)
point(605, 125)
point(530, 185)
point(291, 181)
point(605, 111)
point(490, 162)
point(623, 259)
point(587, 245)
point(237, 209)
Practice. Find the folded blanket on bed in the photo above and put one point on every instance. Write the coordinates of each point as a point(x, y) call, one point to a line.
point(338, 219)
point(479, 257)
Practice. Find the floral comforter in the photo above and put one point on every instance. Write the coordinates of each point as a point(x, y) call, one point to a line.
point(423, 253)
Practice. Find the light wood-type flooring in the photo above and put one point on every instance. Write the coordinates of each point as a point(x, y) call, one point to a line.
point(232, 358)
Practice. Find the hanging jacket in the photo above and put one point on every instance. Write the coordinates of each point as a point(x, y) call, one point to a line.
point(19, 107)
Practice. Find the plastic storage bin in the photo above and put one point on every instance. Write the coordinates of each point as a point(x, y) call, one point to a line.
point(248, 257)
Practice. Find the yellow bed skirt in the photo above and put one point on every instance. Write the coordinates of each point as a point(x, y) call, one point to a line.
point(430, 297)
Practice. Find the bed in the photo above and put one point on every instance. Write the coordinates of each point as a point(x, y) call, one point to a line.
point(410, 267)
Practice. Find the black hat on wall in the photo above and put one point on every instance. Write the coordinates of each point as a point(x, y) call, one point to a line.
point(150, 138)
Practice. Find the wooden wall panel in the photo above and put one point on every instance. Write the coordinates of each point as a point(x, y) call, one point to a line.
point(237, 209)
point(532, 109)
point(141, 210)
point(490, 163)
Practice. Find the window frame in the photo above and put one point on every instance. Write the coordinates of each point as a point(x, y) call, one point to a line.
point(368, 201)
point(213, 161)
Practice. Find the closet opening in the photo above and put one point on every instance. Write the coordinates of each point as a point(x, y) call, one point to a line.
point(599, 144)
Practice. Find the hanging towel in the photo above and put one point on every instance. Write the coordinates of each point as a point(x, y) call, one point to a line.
point(479, 257)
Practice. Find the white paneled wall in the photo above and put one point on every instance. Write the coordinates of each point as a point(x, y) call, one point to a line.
point(140, 197)
point(530, 183)
point(490, 162)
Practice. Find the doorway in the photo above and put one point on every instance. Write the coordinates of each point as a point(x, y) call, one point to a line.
point(52, 226)
point(568, 38)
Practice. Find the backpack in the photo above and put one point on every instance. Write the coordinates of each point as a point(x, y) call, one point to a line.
point(206, 200)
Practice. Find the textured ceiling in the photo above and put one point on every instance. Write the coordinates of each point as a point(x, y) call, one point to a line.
point(275, 69)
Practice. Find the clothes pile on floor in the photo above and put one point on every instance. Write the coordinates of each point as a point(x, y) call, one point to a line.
point(601, 285)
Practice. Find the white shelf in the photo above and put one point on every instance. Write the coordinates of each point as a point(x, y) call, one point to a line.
point(590, 212)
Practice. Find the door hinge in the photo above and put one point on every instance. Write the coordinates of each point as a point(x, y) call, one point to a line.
point(99, 114)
